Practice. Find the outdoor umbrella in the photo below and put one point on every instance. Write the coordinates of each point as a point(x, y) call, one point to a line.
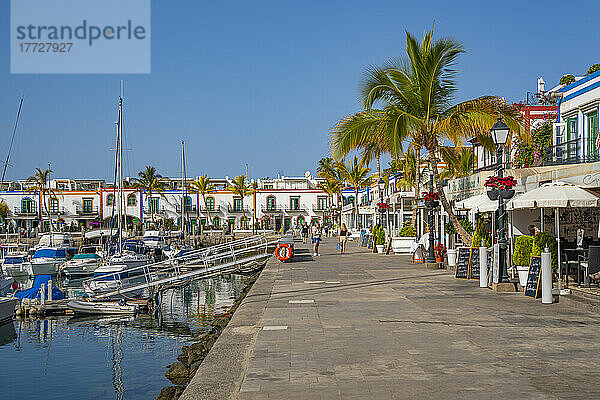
point(478, 203)
point(555, 195)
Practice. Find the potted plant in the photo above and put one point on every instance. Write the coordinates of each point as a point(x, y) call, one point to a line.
point(403, 243)
point(522, 257)
point(500, 187)
point(440, 252)
point(379, 237)
point(431, 199)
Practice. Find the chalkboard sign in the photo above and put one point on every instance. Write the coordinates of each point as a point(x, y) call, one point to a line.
point(370, 242)
point(462, 263)
point(364, 239)
point(474, 267)
point(532, 289)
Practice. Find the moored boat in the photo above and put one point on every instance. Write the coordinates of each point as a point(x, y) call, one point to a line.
point(82, 264)
point(101, 308)
point(15, 264)
point(46, 261)
point(7, 309)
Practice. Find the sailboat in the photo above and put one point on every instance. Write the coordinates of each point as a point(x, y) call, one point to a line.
point(123, 263)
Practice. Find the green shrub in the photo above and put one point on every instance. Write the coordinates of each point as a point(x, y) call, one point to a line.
point(522, 255)
point(379, 235)
point(567, 79)
point(481, 233)
point(540, 241)
point(466, 224)
point(593, 69)
point(408, 230)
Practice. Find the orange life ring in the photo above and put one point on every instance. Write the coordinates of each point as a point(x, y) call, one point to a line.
point(283, 252)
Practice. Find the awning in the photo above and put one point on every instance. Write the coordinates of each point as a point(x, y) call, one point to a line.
point(479, 203)
point(555, 195)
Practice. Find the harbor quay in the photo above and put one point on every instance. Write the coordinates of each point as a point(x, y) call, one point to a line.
point(374, 326)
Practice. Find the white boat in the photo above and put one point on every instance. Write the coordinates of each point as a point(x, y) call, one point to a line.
point(46, 261)
point(7, 309)
point(130, 259)
point(54, 239)
point(6, 283)
point(101, 308)
point(154, 239)
point(15, 265)
point(111, 277)
point(82, 264)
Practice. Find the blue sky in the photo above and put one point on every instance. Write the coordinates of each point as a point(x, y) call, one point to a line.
point(263, 82)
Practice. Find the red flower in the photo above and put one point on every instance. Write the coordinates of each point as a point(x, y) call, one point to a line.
point(431, 196)
point(382, 206)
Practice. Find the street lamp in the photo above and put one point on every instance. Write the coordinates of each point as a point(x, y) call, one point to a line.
point(432, 205)
point(500, 134)
point(381, 185)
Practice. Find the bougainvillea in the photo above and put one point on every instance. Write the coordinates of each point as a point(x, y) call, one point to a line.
point(500, 183)
point(431, 196)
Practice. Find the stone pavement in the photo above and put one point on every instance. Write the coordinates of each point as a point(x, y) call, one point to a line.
point(370, 326)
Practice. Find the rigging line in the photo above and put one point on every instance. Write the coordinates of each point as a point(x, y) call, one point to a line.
point(12, 140)
point(112, 214)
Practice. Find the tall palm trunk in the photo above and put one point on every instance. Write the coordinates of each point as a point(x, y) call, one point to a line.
point(356, 208)
point(207, 212)
point(45, 204)
point(464, 235)
point(417, 185)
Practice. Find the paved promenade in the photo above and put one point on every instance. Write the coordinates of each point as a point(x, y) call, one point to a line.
point(368, 326)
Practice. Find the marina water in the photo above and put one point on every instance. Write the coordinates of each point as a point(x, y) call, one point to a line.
point(112, 357)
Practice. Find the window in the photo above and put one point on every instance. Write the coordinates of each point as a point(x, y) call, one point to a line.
point(27, 205)
point(592, 134)
point(217, 221)
point(321, 202)
point(350, 200)
point(271, 204)
point(88, 205)
point(54, 205)
point(153, 201)
point(244, 223)
point(110, 200)
point(210, 203)
point(203, 221)
point(364, 200)
point(237, 204)
point(294, 202)
point(131, 200)
point(187, 204)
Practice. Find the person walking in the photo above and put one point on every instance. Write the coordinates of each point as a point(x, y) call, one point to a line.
point(316, 234)
point(304, 233)
point(343, 237)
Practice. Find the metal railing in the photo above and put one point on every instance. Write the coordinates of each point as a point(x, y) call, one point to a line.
point(320, 208)
point(232, 209)
point(295, 209)
point(215, 209)
point(240, 256)
point(272, 209)
point(86, 210)
point(186, 208)
point(159, 211)
point(571, 152)
point(32, 210)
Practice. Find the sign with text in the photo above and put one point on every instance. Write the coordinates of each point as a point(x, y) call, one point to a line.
point(80, 36)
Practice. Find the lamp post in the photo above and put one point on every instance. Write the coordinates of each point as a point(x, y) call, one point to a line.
point(431, 252)
point(500, 133)
point(381, 185)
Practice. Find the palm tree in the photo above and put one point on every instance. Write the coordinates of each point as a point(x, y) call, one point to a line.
point(39, 183)
point(332, 170)
point(331, 187)
point(4, 213)
point(460, 162)
point(416, 94)
point(203, 186)
point(149, 181)
point(241, 188)
point(357, 175)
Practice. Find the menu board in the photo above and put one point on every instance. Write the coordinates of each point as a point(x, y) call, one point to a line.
point(474, 267)
point(462, 263)
point(365, 239)
point(370, 241)
point(532, 289)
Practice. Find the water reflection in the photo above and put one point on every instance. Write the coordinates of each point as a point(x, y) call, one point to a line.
point(110, 357)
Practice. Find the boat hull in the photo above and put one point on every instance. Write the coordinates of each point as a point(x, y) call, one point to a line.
point(100, 308)
point(16, 270)
point(43, 268)
point(7, 309)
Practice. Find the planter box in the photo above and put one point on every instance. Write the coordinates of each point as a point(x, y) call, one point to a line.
point(403, 245)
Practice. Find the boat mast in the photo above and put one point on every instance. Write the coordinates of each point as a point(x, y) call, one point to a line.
point(120, 169)
point(182, 191)
point(12, 140)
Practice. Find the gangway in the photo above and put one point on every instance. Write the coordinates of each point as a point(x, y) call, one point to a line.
point(243, 255)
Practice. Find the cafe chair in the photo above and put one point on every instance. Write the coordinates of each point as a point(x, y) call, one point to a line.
point(590, 265)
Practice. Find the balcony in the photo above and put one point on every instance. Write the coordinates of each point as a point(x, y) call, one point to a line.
point(189, 208)
point(272, 209)
point(231, 209)
point(215, 209)
point(299, 209)
point(159, 211)
point(320, 207)
point(32, 210)
point(56, 211)
point(576, 151)
point(80, 210)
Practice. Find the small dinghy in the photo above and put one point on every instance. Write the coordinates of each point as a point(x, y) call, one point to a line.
point(101, 308)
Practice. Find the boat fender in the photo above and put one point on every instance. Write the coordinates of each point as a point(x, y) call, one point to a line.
point(283, 252)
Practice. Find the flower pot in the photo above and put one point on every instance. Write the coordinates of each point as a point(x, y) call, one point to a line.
point(439, 259)
point(403, 245)
point(523, 272)
point(380, 248)
point(452, 257)
point(507, 193)
point(432, 203)
point(492, 195)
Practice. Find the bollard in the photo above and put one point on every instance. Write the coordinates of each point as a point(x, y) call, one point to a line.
point(483, 267)
point(43, 294)
point(50, 290)
point(546, 276)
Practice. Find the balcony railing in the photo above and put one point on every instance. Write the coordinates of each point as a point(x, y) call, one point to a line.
point(55, 211)
point(86, 210)
point(215, 209)
point(155, 211)
point(232, 209)
point(272, 209)
point(187, 208)
point(320, 207)
point(32, 210)
point(571, 152)
point(291, 209)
